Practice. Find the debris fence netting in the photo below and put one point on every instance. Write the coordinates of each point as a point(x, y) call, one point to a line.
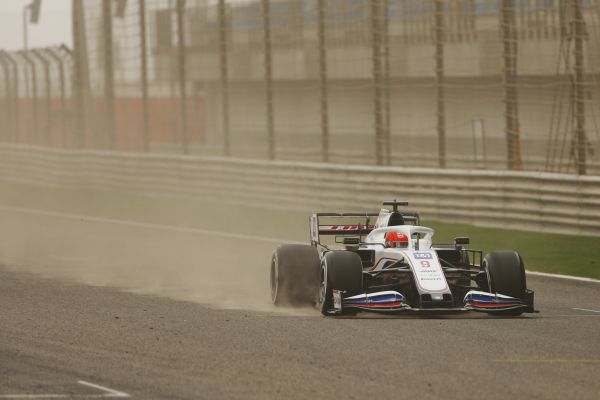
point(484, 84)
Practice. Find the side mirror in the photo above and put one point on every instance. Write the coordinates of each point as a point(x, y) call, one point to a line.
point(461, 241)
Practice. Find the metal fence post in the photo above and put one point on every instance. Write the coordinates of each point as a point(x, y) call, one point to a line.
point(266, 14)
point(46, 63)
point(109, 79)
point(7, 106)
point(324, 93)
point(512, 128)
point(377, 79)
point(32, 135)
point(224, 76)
point(15, 90)
point(26, 73)
point(63, 102)
point(439, 81)
point(580, 137)
point(144, 75)
point(80, 74)
point(182, 74)
point(385, 28)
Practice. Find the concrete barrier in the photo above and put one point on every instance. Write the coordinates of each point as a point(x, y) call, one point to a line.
point(519, 200)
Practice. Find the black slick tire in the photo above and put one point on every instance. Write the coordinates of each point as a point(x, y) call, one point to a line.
point(294, 275)
point(506, 275)
point(340, 270)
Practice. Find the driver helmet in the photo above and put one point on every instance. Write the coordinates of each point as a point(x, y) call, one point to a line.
point(396, 239)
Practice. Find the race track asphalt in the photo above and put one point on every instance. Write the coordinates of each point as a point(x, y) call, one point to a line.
point(79, 328)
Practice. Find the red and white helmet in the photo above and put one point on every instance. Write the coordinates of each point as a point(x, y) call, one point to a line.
point(396, 239)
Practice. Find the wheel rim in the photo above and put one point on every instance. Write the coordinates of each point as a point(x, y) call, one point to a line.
point(323, 286)
point(489, 278)
point(274, 278)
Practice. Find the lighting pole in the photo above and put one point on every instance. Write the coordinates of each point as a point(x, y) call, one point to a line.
point(34, 16)
point(25, 44)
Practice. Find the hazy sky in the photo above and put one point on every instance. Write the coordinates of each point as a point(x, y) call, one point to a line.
point(53, 28)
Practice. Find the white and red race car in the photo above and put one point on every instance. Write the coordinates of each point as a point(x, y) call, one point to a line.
point(393, 266)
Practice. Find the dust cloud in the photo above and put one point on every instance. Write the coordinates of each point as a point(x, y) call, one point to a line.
point(220, 271)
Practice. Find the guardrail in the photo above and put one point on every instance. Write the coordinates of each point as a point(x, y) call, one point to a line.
point(519, 200)
point(360, 150)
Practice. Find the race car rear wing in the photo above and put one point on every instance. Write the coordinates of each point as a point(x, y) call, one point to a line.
point(317, 229)
point(355, 229)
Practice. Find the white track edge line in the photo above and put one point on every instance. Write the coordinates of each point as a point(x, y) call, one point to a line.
point(559, 276)
point(81, 217)
point(221, 234)
point(586, 309)
point(109, 392)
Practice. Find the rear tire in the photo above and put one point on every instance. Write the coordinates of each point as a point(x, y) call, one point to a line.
point(506, 275)
point(340, 270)
point(294, 275)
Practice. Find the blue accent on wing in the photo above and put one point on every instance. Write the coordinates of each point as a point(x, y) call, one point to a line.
point(383, 298)
point(482, 298)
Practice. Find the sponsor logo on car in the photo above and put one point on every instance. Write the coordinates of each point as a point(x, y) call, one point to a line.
point(421, 256)
point(346, 227)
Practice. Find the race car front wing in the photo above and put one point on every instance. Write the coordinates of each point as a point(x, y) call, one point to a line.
point(395, 302)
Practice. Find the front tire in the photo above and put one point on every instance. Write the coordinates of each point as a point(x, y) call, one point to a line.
point(506, 275)
point(340, 270)
point(294, 275)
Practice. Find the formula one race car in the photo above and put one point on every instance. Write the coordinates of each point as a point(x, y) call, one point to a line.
point(393, 266)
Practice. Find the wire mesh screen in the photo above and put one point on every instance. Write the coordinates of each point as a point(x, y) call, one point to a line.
point(511, 84)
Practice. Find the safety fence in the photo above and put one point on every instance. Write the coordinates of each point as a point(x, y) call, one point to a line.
point(486, 84)
point(36, 97)
point(558, 203)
